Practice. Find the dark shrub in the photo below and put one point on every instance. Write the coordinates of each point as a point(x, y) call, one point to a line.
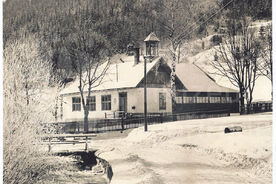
point(216, 39)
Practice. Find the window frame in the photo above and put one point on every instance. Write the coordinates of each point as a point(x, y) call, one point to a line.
point(205, 99)
point(199, 99)
point(106, 102)
point(179, 100)
point(223, 99)
point(218, 99)
point(162, 101)
point(91, 105)
point(229, 99)
point(212, 99)
point(76, 106)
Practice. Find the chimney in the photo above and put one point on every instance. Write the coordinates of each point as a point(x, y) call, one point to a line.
point(136, 55)
point(130, 49)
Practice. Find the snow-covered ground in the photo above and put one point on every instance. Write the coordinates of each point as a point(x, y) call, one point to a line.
point(193, 151)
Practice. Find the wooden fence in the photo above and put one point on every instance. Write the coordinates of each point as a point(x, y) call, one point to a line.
point(258, 107)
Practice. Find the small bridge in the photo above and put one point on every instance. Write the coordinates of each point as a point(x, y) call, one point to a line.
point(68, 139)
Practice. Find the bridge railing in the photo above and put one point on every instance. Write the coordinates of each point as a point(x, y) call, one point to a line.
point(53, 139)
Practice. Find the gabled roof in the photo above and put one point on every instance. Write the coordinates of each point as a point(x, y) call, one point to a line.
point(152, 37)
point(128, 74)
point(196, 80)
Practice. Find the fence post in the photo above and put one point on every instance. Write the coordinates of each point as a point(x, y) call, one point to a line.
point(86, 146)
point(122, 123)
point(161, 118)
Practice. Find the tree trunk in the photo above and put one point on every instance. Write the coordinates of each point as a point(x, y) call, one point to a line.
point(271, 80)
point(85, 122)
point(242, 110)
point(248, 105)
point(178, 54)
point(85, 110)
point(271, 91)
point(173, 87)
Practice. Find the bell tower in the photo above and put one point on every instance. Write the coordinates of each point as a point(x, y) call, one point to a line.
point(152, 45)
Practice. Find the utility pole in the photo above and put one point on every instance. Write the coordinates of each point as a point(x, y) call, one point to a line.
point(151, 42)
point(145, 95)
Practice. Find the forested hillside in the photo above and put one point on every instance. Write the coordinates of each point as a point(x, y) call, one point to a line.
point(52, 42)
point(53, 22)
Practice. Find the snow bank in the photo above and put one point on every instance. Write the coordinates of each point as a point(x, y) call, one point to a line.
point(194, 151)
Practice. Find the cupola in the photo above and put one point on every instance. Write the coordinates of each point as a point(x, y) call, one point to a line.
point(151, 45)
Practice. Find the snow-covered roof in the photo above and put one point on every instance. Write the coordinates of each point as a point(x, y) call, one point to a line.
point(196, 80)
point(152, 37)
point(123, 74)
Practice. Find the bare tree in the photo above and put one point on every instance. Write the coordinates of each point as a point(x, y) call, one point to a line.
point(89, 52)
point(266, 68)
point(238, 59)
point(28, 103)
point(176, 17)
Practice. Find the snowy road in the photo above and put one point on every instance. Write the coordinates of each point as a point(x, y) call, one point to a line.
point(193, 151)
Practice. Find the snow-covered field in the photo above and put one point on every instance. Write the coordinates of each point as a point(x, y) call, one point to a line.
point(193, 151)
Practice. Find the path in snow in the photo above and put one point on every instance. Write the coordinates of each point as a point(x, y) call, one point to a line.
point(193, 151)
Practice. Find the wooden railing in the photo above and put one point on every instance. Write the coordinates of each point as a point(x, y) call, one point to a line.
point(63, 139)
point(258, 107)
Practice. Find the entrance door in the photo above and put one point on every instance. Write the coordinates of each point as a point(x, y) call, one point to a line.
point(123, 102)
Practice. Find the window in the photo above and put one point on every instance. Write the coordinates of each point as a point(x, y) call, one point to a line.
point(217, 99)
point(200, 99)
point(162, 101)
point(106, 102)
point(229, 99)
point(212, 99)
point(91, 103)
point(185, 99)
point(178, 99)
point(223, 99)
point(76, 104)
point(191, 99)
point(205, 99)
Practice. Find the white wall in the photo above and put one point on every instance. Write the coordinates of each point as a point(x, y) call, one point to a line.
point(135, 98)
point(153, 100)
